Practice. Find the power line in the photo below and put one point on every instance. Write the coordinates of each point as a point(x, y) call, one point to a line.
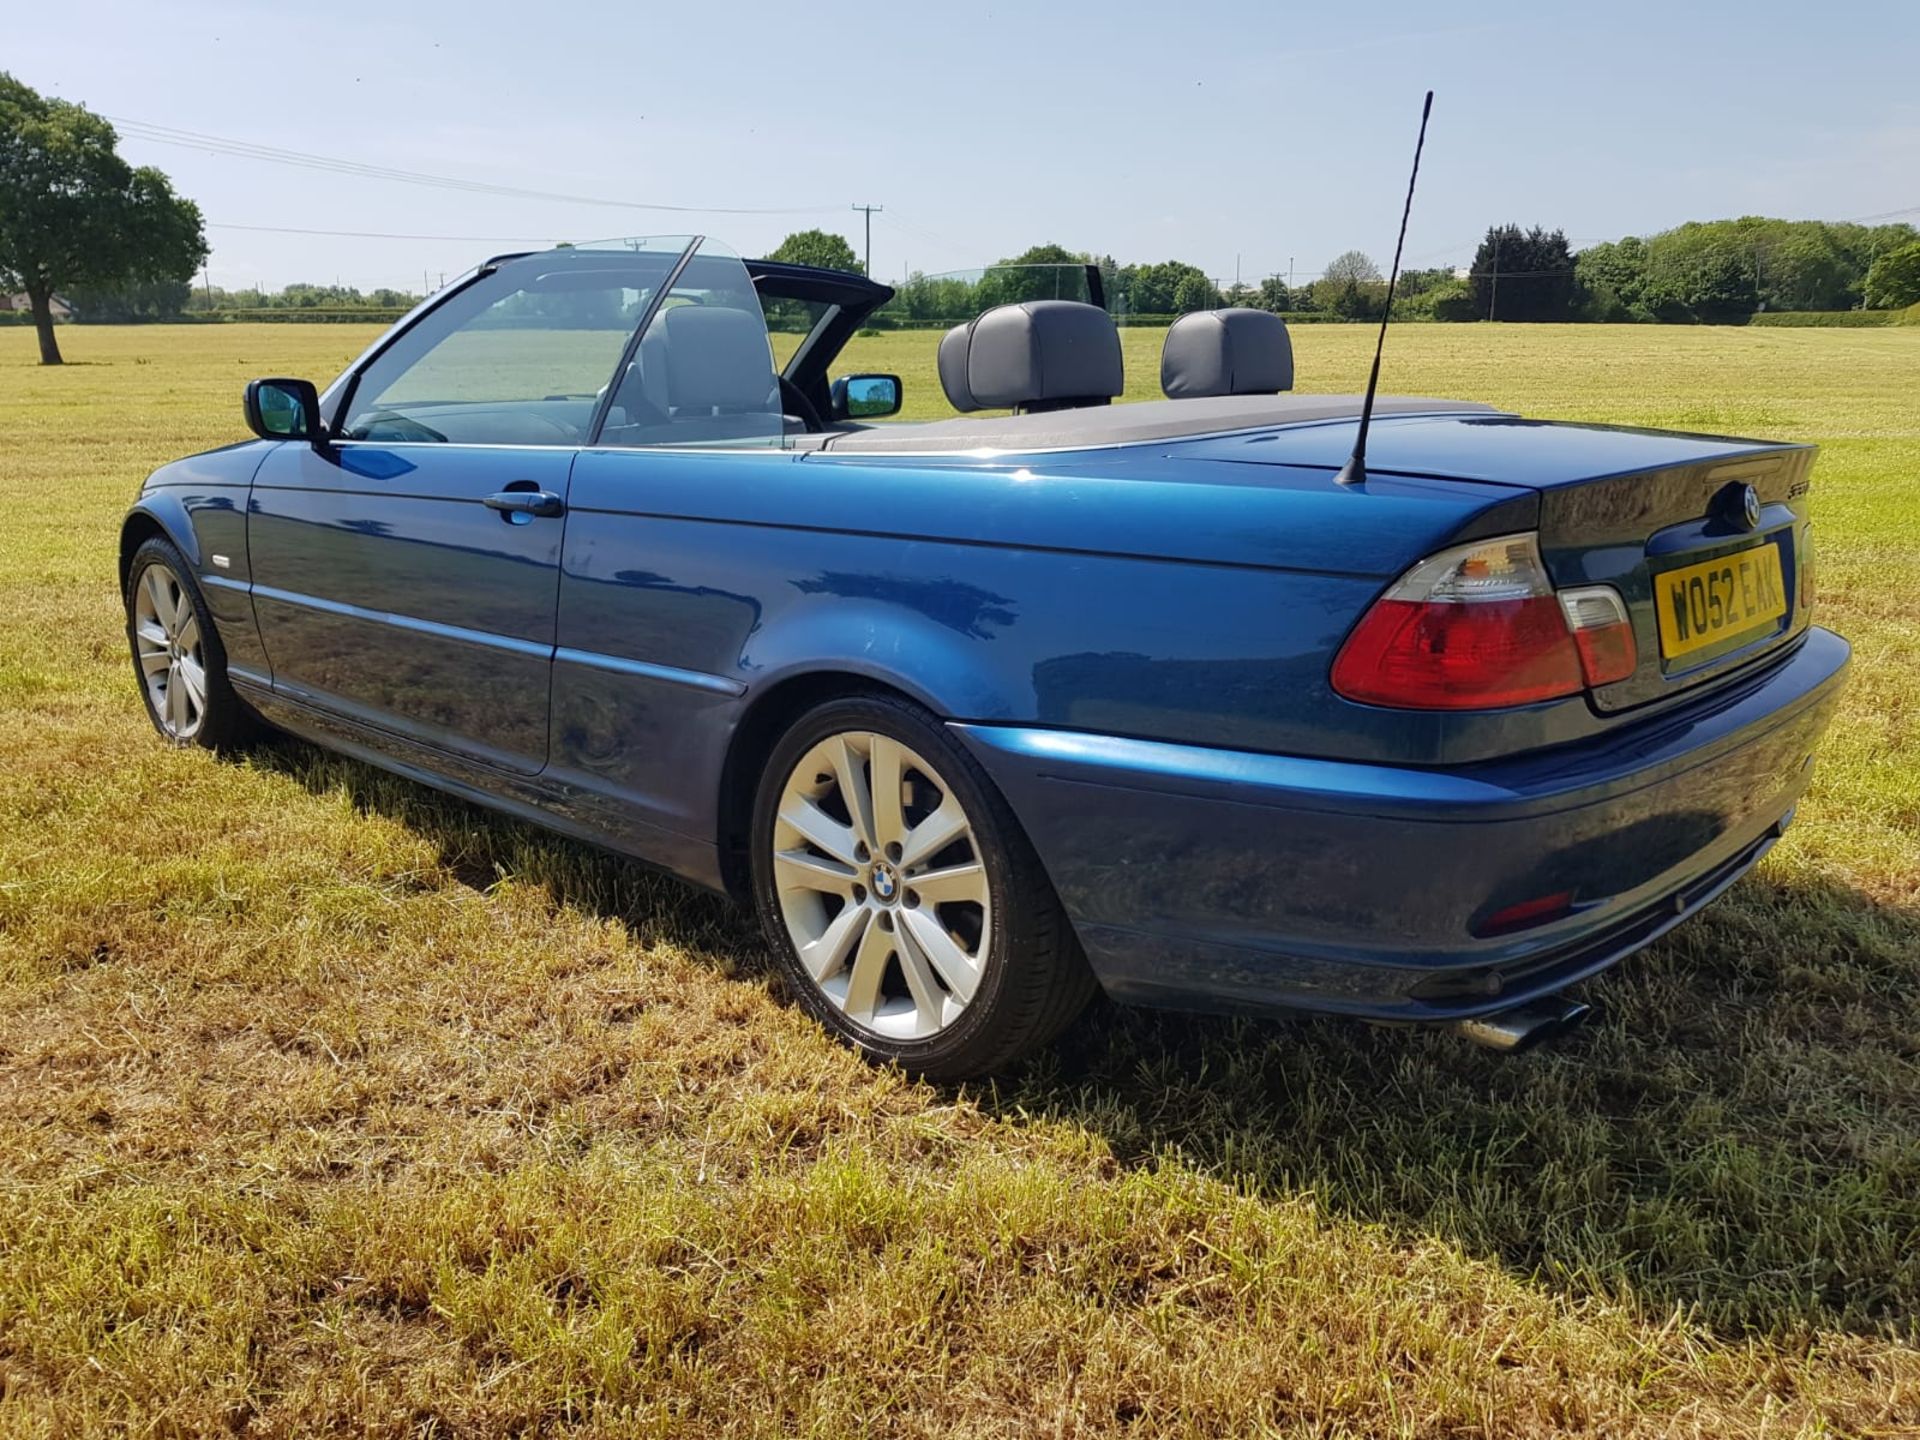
point(272, 154)
point(380, 234)
point(1885, 215)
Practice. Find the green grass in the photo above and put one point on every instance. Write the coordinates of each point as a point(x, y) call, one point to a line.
point(328, 1105)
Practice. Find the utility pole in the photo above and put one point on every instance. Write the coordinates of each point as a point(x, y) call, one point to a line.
point(868, 210)
point(1493, 300)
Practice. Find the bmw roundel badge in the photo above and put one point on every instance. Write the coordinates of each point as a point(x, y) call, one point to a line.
point(1738, 505)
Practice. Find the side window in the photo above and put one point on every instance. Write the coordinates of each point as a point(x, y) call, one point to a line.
point(703, 372)
point(520, 358)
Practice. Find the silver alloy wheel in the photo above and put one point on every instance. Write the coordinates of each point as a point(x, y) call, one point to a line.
point(881, 885)
point(166, 636)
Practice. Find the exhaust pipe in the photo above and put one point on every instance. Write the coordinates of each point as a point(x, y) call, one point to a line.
point(1524, 1026)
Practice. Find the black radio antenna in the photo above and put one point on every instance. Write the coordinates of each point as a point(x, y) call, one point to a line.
point(1355, 470)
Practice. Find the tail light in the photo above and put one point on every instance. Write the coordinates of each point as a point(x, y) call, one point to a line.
point(1597, 618)
point(1481, 626)
point(1806, 567)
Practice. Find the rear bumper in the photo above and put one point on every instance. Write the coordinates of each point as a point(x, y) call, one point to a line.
point(1212, 879)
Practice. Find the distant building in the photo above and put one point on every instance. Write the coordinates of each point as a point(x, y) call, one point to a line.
point(61, 307)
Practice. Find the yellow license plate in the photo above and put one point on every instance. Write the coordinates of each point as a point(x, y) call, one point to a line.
point(1716, 600)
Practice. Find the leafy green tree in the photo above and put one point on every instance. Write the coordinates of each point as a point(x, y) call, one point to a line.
point(1047, 255)
point(74, 214)
point(1356, 300)
point(1040, 272)
point(1451, 302)
point(1893, 281)
point(1273, 295)
point(155, 300)
point(1801, 267)
point(1195, 292)
point(1790, 264)
point(1419, 282)
point(1447, 299)
point(1706, 285)
point(1611, 279)
point(1160, 289)
point(819, 247)
point(1523, 275)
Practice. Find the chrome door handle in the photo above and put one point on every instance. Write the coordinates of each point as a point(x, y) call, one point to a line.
point(543, 503)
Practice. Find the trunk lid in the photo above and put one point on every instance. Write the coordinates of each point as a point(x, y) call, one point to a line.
point(1711, 583)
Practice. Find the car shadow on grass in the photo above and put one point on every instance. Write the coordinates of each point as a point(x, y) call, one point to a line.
point(1737, 1134)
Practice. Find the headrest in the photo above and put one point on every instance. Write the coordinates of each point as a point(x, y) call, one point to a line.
point(1226, 352)
point(952, 361)
point(715, 358)
point(1040, 355)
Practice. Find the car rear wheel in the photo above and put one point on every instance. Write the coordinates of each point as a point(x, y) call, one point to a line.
point(904, 903)
point(177, 656)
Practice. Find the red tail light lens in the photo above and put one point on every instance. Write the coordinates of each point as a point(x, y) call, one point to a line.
point(1806, 567)
point(1480, 627)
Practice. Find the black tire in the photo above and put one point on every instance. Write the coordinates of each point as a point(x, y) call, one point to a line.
point(1033, 980)
point(226, 722)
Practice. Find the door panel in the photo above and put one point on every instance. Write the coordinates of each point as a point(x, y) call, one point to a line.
point(388, 591)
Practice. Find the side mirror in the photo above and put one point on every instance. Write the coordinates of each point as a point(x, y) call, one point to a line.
point(866, 397)
point(281, 409)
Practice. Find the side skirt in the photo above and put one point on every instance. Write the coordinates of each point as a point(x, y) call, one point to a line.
point(523, 797)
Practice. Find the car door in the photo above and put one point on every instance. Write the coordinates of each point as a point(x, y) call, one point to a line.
point(655, 607)
point(406, 574)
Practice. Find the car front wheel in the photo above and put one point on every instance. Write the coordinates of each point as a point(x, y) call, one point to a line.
point(899, 894)
point(177, 656)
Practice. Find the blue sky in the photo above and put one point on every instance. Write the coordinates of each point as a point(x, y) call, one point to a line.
point(1221, 133)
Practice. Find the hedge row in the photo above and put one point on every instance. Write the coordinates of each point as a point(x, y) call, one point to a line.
point(1848, 319)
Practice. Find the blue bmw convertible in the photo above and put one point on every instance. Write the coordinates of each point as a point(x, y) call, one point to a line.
point(986, 713)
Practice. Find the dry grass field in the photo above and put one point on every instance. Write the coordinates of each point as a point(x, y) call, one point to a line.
point(331, 1106)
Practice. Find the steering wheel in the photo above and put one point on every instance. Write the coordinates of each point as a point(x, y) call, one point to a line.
point(392, 426)
point(794, 401)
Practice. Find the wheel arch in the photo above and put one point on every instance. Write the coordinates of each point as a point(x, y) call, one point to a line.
point(849, 649)
point(159, 516)
point(769, 715)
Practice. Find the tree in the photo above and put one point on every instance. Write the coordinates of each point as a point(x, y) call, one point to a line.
point(1893, 281)
point(73, 214)
point(1356, 300)
point(1523, 275)
point(1352, 266)
point(155, 300)
point(1195, 292)
point(1273, 295)
point(1161, 289)
point(1040, 272)
point(819, 247)
point(1611, 278)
